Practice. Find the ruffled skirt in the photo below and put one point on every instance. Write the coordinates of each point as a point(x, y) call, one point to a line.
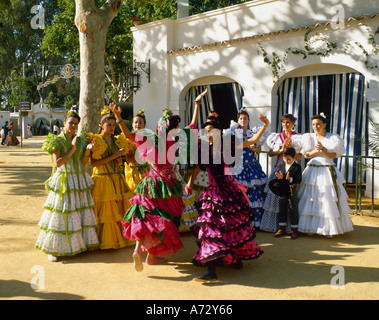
point(154, 208)
point(68, 221)
point(270, 216)
point(190, 214)
point(253, 177)
point(111, 196)
point(323, 206)
point(223, 230)
point(134, 174)
point(11, 140)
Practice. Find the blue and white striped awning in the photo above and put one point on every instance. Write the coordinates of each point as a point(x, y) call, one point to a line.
point(348, 111)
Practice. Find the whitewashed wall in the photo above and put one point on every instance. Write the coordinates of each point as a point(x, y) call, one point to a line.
point(173, 73)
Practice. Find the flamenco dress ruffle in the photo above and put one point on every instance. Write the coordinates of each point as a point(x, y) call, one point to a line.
point(253, 177)
point(11, 139)
point(154, 210)
point(134, 171)
point(68, 221)
point(190, 214)
point(111, 195)
point(223, 230)
point(250, 173)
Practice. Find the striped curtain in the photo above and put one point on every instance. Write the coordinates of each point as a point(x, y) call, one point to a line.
point(299, 96)
point(349, 118)
point(207, 102)
point(238, 94)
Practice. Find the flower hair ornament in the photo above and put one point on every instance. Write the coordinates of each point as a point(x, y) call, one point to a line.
point(141, 113)
point(106, 111)
point(212, 113)
point(73, 110)
point(164, 122)
point(322, 114)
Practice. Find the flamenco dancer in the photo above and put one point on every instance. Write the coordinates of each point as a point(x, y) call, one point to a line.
point(323, 205)
point(251, 174)
point(68, 221)
point(157, 201)
point(223, 230)
point(111, 193)
point(277, 142)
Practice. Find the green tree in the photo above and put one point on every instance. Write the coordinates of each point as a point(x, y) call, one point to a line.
point(20, 47)
point(105, 42)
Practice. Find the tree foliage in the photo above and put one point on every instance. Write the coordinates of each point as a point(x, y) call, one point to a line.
point(58, 43)
point(20, 50)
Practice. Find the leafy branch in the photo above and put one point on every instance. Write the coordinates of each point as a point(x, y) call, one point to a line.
point(277, 62)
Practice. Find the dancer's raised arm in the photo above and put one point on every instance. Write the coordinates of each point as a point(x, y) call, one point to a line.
point(197, 105)
point(254, 139)
point(117, 113)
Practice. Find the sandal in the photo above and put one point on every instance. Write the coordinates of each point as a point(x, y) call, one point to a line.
point(137, 261)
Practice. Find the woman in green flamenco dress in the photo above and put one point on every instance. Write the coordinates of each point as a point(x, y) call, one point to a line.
point(68, 221)
point(157, 204)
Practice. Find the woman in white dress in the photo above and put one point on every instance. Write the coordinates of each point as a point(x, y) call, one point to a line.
point(323, 205)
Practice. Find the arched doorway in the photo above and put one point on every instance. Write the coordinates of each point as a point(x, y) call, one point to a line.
point(224, 96)
point(41, 126)
point(341, 97)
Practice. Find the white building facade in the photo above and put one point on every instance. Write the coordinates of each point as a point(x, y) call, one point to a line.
point(272, 57)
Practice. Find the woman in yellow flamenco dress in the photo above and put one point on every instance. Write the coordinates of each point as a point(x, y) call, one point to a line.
point(111, 194)
point(133, 170)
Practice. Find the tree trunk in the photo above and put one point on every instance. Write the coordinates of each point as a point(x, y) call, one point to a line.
point(93, 23)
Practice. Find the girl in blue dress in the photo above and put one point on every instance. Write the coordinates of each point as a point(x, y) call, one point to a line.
point(249, 170)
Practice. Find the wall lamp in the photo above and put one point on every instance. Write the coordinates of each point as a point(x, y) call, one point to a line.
point(134, 77)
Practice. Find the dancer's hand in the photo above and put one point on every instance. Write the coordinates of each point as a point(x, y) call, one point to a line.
point(201, 95)
point(188, 190)
point(319, 147)
point(263, 119)
point(116, 110)
point(119, 153)
point(91, 145)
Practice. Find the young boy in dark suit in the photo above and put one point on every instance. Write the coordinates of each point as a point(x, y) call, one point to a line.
point(290, 174)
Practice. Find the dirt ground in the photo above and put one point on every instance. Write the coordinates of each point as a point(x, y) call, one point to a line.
point(288, 270)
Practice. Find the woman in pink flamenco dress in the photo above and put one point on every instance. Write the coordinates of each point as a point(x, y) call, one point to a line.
point(223, 230)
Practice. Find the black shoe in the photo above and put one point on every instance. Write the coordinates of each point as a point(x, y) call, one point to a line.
point(207, 278)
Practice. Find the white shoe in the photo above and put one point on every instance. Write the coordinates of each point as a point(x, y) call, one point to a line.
point(52, 258)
